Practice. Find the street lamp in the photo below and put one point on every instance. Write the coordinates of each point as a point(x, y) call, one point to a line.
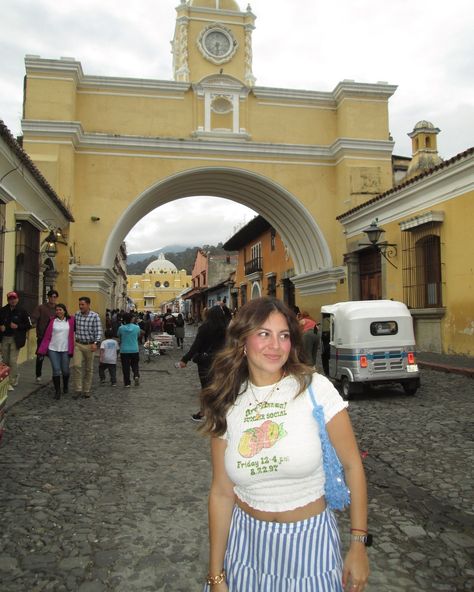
point(374, 232)
point(51, 240)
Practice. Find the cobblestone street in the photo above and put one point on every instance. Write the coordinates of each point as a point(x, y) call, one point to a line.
point(109, 494)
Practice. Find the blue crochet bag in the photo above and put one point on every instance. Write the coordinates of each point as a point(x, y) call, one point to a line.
point(336, 492)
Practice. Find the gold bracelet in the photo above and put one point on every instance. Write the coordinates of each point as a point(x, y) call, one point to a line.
point(213, 580)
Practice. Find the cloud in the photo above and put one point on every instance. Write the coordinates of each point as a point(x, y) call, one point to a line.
point(193, 221)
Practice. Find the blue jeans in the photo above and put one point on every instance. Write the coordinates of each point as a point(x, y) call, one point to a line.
point(59, 362)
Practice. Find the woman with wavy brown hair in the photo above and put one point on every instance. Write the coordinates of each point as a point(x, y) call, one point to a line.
point(269, 527)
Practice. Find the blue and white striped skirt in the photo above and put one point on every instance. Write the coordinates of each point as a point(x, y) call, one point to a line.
point(300, 556)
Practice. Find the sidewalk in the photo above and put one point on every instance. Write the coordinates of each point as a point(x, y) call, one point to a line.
point(27, 385)
point(463, 365)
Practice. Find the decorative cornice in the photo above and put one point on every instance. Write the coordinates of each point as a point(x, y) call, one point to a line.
point(289, 94)
point(32, 219)
point(358, 90)
point(221, 11)
point(442, 184)
point(426, 218)
point(344, 90)
point(70, 68)
point(319, 282)
point(91, 278)
point(73, 132)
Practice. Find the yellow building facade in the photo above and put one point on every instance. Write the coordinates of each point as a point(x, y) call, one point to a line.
point(116, 148)
point(160, 283)
point(424, 256)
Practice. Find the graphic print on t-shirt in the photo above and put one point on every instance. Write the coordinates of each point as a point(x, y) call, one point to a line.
point(254, 440)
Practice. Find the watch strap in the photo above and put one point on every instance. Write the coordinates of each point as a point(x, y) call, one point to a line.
point(367, 539)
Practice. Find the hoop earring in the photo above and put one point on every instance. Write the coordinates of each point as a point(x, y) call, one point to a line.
point(245, 350)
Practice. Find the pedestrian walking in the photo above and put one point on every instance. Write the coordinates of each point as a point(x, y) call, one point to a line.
point(58, 345)
point(88, 338)
point(179, 331)
point(269, 525)
point(40, 318)
point(209, 340)
point(14, 326)
point(310, 338)
point(108, 358)
point(169, 322)
point(129, 335)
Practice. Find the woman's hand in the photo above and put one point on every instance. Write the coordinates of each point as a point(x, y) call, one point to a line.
point(356, 568)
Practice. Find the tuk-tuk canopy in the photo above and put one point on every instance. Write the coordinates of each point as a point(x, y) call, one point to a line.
point(369, 323)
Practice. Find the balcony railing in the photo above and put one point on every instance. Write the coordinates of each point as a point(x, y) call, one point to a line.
point(253, 265)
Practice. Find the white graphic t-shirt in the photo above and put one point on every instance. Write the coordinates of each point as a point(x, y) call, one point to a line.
point(273, 453)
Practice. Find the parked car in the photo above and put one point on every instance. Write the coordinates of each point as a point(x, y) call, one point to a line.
point(367, 343)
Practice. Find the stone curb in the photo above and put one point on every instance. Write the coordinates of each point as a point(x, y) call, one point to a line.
point(438, 367)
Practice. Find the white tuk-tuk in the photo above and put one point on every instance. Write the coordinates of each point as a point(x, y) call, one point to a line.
point(369, 342)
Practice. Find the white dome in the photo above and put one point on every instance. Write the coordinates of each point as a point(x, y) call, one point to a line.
point(423, 124)
point(160, 265)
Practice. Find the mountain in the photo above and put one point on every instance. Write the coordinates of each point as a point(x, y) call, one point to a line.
point(136, 257)
point(183, 259)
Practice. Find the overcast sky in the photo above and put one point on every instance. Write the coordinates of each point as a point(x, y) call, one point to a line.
point(426, 47)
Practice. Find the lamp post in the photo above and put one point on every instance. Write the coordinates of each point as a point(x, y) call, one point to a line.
point(51, 240)
point(374, 232)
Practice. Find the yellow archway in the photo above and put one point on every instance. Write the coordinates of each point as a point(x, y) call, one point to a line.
point(298, 229)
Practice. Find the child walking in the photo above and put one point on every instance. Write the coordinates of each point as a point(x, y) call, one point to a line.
point(108, 358)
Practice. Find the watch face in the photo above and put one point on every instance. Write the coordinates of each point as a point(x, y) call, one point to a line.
point(217, 43)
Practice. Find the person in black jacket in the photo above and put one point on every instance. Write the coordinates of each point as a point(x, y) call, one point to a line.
point(209, 340)
point(14, 325)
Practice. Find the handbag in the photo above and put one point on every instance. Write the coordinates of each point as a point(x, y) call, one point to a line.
point(336, 492)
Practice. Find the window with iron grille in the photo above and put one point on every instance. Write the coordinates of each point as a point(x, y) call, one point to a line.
point(27, 255)
point(422, 277)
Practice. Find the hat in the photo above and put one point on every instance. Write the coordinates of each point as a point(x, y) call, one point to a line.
point(12, 295)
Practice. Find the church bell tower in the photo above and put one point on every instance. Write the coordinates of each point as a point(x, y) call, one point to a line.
point(213, 37)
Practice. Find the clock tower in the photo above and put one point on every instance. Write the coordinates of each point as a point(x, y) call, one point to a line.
point(213, 37)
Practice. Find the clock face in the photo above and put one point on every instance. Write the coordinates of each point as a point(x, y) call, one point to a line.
point(217, 43)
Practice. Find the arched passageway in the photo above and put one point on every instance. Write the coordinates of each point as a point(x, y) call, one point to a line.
point(298, 229)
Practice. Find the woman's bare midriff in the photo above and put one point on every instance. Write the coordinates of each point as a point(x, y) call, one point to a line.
point(296, 515)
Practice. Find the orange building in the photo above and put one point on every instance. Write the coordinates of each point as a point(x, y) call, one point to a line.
point(264, 265)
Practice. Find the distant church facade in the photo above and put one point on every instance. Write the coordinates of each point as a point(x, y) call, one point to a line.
point(162, 282)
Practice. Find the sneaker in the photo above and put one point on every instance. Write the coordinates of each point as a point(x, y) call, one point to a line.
point(113, 384)
point(126, 385)
point(38, 380)
point(137, 380)
point(197, 417)
point(86, 395)
point(10, 387)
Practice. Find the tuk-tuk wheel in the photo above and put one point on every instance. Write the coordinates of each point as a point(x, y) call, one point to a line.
point(346, 388)
point(410, 388)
